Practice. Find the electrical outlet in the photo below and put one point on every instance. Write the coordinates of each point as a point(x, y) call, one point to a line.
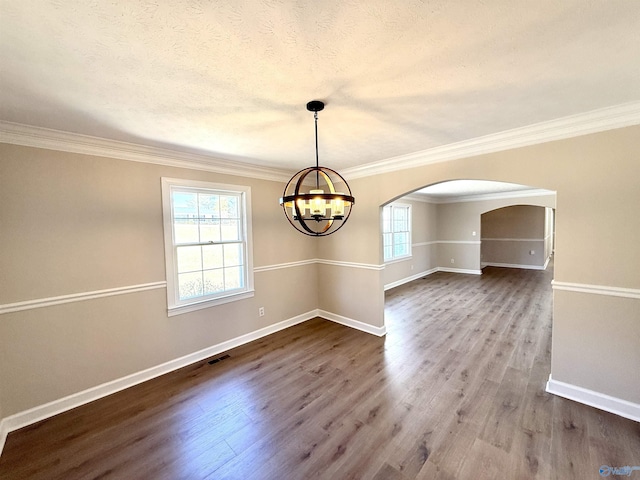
point(453, 261)
point(411, 267)
point(532, 252)
point(261, 311)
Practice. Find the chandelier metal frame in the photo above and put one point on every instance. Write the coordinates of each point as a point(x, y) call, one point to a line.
point(316, 211)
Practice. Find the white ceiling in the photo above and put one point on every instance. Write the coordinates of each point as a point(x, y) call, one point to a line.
point(231, 78)
point(463, 188)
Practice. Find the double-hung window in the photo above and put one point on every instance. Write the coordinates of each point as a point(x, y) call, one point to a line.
point(396, 231)
point(207, 231)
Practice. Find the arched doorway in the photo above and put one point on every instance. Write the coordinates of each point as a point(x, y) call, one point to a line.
point(517, 236)
point(445, 225)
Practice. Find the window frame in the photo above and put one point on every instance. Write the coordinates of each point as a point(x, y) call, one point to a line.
point(392, 207)
point(175, 306)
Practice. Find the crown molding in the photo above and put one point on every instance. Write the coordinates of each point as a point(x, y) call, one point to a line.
point(608, 118)
point(572, 126)
point(39, 137)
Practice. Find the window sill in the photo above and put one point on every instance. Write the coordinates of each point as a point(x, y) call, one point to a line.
point(192, 307)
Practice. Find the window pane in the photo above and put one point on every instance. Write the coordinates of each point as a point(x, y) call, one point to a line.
point(232, 255)
point(212, 257)
point(398, 226)
point(386, 219)
point(388, 252)
point(185, 204)
point(189, 285)
point(185, 212)
point(209, 230)
point(233, 278)
point(399, 238)
point(213, 281)
point(229, 206)
point(209, 205)
point(185, 231)
point(189, 259)
point(230, 230)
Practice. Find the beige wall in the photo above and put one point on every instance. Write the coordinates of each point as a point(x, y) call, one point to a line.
point(516, 221)
point(73, 223)
point(596, 343)
point(510, 234)
point(346, 291)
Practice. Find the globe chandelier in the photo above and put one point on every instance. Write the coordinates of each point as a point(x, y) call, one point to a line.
point(310, 201)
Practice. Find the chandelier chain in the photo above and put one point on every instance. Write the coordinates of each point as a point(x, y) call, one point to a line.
point(315, 116)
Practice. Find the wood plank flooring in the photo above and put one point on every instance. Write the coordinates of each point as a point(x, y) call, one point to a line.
point(454, 391)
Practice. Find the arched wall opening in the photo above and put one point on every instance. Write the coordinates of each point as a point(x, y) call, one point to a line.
point(517, 236)
point(446, 230)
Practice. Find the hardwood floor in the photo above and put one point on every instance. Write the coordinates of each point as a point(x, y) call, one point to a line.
point(454, 391)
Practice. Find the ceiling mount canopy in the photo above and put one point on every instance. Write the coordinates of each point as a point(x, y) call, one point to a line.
point(310, 200)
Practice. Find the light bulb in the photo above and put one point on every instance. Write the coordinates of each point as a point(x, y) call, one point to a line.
point(318, 204)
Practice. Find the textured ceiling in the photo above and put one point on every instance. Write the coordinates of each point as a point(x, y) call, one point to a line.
point(231, 78)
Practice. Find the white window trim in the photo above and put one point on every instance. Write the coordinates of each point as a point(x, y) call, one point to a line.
point(173, 306)
point(401, 257)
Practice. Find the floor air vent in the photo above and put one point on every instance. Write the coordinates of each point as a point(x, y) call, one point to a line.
point(219, 359)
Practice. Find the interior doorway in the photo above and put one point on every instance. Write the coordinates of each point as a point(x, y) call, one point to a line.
point(517, 236)
point(445, 228)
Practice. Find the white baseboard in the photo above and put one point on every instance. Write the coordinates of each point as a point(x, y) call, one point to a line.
point(594, 399)
point(41, 412)
point(4, 431)
point(460, 270)
point(349, 322)
point(402, 281)
point(515, 265)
